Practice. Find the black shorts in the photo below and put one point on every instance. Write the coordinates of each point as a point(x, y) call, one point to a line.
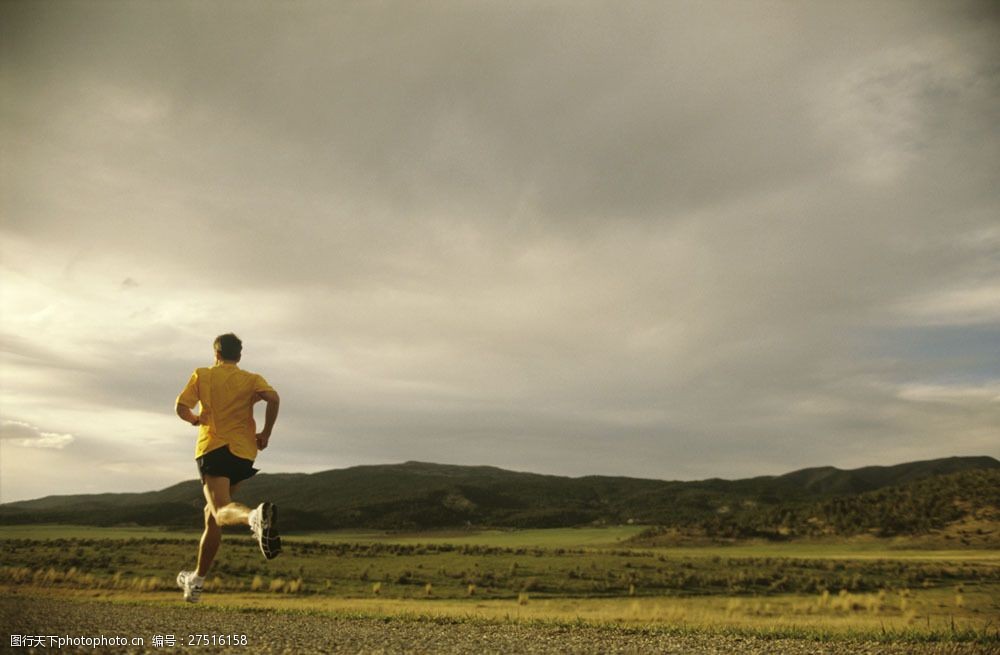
point(222, 463)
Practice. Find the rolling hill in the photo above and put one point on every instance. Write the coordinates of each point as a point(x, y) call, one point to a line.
point(417, 495)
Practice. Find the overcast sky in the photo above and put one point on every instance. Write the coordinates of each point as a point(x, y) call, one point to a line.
point(669, 239)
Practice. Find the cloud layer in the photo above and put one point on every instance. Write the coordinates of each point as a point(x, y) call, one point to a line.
point(673, 240)
point(30, 436)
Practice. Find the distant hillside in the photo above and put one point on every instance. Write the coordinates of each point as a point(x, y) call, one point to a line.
point(415, 495)
point(963, 508)
point(829, 480)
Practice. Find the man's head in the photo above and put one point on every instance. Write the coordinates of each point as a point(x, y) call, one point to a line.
point(228, 347)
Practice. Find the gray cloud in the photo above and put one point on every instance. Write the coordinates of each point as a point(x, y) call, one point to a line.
point(668, 240)
point(29, 436)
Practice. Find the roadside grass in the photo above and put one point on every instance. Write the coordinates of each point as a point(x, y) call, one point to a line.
point(457, 571)
point(855, 616)
point(651, 616)
point(817, 590)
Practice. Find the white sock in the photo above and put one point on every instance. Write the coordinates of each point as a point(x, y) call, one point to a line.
point(253, 516)
point(197, 579)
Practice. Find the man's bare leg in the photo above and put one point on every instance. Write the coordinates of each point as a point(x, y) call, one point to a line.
point(211, 539)
point(219, 510)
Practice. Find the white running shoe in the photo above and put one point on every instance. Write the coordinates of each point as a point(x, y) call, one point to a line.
point(192, 589)
point(264, 525)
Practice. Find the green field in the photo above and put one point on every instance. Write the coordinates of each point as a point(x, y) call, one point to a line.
point(564, 575)
point(45, 531)
point(554, 538)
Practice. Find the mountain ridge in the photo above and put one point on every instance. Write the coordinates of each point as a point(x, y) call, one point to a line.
point(418, 495)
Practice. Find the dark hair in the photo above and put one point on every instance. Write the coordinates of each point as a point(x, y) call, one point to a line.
point(229, 347)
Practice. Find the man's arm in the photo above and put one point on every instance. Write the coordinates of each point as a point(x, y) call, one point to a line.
point(186, 414)
point(272, 400)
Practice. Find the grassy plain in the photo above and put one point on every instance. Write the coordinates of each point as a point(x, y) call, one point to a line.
point(553, 538)
point(591, 575)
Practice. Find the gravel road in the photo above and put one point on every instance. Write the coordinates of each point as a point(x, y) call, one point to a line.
point(285, 632)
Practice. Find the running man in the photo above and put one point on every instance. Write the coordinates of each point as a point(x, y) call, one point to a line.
point(228, 442)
